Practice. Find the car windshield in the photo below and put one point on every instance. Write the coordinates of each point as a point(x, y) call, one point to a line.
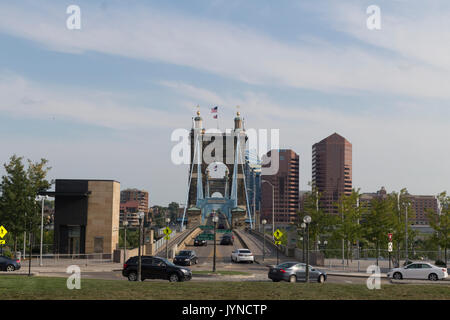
point(184, 253)
point(286, 265)
point(245, 251)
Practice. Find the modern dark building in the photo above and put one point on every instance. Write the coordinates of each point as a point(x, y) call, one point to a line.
point(86, 218)
point(332, 170)
point(286, 188)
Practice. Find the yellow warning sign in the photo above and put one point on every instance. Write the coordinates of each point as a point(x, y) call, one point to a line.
point(3, 231)
point(167, 231)
point(277, 242)
point(167, 237)
point(278, 234)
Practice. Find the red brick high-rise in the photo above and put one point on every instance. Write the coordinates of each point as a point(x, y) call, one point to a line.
point(286, 188)
point(332, 170)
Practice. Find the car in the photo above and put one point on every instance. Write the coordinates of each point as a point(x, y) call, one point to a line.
point(419, 270)
point(8, 264)
point(186, 257)
point(155, 268)
point(294, 272)
point(226, 240)
point(200, 242)
point(242, 255)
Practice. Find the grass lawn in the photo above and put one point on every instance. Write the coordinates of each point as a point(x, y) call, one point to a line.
point(22, 287)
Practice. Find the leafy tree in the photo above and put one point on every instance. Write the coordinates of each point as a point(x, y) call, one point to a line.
point(19, 211)
point(441, 223)
point(321, 222)
point(349, 228)
point(376, 221)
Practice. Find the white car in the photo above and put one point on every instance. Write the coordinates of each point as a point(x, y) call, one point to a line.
point(419, 270)
point(239, 255)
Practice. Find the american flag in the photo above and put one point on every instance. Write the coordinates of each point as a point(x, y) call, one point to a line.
point(214, 110)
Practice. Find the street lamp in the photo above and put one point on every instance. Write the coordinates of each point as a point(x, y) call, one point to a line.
point(42, 198)
point(215, 219)
point(125, 225)
point(273, 207)
point(167, 239)
point(141, 218)
point(264, 221)
point(307, 221)
point(406, 233)
point(303, 226)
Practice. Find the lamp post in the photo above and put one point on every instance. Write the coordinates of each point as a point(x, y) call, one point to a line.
point(406, 233)
point(43, 198)
point(141, 216)
point(303, 226)
point(215, 219)
point(273, 207)
point(264, 221)
point(125, 225)
point(167, 239)
point(307, 221)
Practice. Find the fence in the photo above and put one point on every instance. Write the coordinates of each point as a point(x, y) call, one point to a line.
point(66, 259)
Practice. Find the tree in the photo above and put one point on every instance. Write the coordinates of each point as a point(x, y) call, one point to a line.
point(321, 222)
point(19, 188)
point(348, 228)
point(440, 222)
point(173, 211)
point(376, 222)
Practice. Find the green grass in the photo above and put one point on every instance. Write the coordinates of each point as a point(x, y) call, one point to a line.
point(223, 272)
point(22, 287)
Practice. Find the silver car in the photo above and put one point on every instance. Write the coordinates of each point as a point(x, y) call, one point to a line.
point(294, 271)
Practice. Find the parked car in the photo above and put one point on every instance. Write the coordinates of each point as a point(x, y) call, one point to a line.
point(419, 270)
point(155, 268)
point(186, 258)
point(8, 264)
point(198, 242)
point(294, 271)
point(226, 240)
point(242, 255)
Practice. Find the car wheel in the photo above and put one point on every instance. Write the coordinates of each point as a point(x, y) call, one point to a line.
point(174, 277)
point(433, 277)
point(10, 268)
point(132, 276)
point(292, 278)
point(321, 279)
point(397, 276)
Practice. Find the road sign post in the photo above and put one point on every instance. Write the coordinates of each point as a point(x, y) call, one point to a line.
point(278, 234)
point(3, 233)
point(390, 248)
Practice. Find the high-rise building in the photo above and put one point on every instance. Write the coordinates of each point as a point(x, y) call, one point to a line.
point(332, 170)
point(286, 188)
point(131, 202)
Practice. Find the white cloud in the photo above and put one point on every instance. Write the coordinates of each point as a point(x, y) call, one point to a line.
point(242, 53)
point(24, 98)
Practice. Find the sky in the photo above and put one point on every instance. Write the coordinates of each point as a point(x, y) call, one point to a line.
point(102, 102)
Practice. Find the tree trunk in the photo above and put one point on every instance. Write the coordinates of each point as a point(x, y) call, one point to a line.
point(15, 244)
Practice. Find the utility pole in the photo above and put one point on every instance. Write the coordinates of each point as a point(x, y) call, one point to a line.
point(406, 234)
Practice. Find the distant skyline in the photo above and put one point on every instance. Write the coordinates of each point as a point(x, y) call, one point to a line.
point(102, 102)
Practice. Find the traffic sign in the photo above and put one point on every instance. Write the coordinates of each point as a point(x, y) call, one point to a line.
point(167, 231)
point(390, 247)
point(167, 237)
point(390, 237)
point(206, 237)
point(2, 241)
point(224, 231)
point(278, 234)
point(3, 231)
point(277, 242)
point(206, 227)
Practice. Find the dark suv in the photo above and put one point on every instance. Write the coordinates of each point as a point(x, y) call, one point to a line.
point(186, 258)
point(155, 268)
point(199, 242)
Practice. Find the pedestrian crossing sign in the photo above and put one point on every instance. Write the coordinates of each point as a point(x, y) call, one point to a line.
point(278, 234)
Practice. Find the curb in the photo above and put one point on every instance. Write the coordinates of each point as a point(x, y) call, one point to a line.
point(208, 275)
point(352, 275)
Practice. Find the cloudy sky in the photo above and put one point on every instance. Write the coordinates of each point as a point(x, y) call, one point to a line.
point(102, 102)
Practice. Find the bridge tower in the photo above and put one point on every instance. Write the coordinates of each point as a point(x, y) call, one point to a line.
point(217, 177)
